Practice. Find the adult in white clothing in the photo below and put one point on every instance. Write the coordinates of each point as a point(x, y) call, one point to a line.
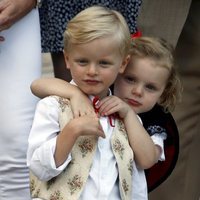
point(20, 64)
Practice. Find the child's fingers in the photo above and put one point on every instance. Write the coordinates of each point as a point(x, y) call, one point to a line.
point(101, 134)
point(100, 131)
point(105, 103)
point(108, 110)
point(2, 38)
point(83, 112)
point(104, 100)
point(110, 106)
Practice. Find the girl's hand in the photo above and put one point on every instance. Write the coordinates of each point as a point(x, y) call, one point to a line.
point(81, 105)
point(113, 104)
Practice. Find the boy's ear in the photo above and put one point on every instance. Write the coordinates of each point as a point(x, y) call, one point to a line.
point(124, 64)
point(66, 60)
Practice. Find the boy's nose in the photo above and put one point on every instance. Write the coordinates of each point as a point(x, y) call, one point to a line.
point(92, 70)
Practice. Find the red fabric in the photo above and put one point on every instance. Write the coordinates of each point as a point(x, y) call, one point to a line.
point(110, 117)
point(136, 34)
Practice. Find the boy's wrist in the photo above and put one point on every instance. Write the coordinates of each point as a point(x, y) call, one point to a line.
point(73, 126)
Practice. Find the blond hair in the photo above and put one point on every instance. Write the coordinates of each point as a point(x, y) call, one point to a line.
point(162, 53)
point(97, 22)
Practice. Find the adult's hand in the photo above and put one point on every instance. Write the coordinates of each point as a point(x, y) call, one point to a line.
point(13, 10)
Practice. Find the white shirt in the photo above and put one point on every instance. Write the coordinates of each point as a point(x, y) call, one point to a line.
point(102, 183)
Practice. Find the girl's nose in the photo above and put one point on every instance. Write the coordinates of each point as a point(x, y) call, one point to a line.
point(137, 90)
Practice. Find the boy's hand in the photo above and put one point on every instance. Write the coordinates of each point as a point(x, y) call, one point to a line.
point(113, 104)
point(87, 125)
point(84, 125)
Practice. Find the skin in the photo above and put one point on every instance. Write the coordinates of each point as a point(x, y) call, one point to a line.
point(11, 11)
point(137, 90)
point(146, 153)
point(94, 67)
point(98, 62)
point(142, 84)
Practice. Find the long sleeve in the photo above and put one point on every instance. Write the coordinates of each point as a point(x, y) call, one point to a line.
point(42, 140)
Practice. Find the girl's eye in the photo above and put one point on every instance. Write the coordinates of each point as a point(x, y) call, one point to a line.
point(130, 79)
point(151, 87)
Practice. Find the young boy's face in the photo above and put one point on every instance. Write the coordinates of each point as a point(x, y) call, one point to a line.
point(95, 65)
point(142, 84)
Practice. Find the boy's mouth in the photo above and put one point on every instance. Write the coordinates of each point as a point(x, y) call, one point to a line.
point(91, 81)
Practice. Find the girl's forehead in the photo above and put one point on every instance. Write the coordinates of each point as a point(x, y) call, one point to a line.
point(147, 62)
point(147, 68)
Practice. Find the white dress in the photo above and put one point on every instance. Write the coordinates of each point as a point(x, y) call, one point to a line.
point(20, 64)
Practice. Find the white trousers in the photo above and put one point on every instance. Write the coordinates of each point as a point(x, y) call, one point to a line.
point(20, 64)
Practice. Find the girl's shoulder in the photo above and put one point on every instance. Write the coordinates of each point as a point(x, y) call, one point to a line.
point(161, 120)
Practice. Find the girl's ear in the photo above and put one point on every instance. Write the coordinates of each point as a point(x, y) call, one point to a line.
point(66, 60)
point(124, 64)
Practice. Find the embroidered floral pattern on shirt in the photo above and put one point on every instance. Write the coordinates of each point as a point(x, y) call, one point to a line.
point(130, 166)
point(51, 182)
point(75, 183)
point(85, 146)
point(33, 188)
point(119, 148)
point(125, 186)
point(122, 128)
point(63, 103)
point(56, 196)
point(73, 178)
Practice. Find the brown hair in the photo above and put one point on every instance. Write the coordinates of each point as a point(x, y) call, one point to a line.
point(161, 52)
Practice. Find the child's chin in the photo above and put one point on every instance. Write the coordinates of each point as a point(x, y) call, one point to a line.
point(137, 110)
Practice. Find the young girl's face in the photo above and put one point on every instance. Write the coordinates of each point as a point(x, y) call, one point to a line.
point(95, 65)
point(142, 84)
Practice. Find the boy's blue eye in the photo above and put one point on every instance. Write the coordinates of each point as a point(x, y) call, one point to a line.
point(104, 63)
point(82, 62)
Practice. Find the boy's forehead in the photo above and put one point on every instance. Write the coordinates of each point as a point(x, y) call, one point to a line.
point(103, 46)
